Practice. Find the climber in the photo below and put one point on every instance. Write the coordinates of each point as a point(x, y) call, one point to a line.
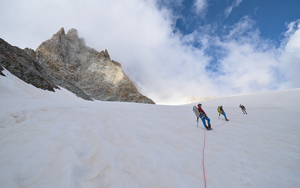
point(221, 111)
point(204, 117)
point(243, 109)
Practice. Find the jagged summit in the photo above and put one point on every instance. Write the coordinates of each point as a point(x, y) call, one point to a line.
point(72, 33)
point(69, 60)
point(61, 32)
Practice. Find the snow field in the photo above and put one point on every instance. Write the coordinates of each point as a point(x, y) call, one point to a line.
point(52, 139)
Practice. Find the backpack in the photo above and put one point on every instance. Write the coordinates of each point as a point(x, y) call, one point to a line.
point(219, 109)
point(196, 111)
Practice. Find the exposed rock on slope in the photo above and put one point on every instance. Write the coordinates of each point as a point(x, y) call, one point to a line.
point(1, 69)
point(24, 66)
point(69, 60)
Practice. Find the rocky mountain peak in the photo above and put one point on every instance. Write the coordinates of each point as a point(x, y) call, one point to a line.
point(59, 36)
point(69, 60)
point(72, 33)
point(61, 32)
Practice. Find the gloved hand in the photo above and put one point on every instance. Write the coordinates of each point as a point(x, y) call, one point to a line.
point(197, 119)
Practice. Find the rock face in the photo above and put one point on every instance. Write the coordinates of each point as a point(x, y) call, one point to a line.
point(24, 66)
point(73, 65)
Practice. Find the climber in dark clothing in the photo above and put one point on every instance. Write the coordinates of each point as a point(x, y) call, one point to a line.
point(243, 109)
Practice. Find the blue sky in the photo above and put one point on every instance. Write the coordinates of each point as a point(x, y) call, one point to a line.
point(174, 49)
point(270, 16)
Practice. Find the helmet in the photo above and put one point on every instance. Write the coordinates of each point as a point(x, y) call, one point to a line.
point(199, 104)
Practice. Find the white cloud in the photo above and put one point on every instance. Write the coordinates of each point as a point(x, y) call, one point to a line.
point(253, 64)
point(290, 58)
point(200, 7)
point(250, 63)
point(228, 10)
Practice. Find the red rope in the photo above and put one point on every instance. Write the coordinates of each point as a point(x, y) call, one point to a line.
point(203, 154)
point(203, 160)
point(220, 124)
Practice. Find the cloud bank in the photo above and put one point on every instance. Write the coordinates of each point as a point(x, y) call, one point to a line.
point(166, 65)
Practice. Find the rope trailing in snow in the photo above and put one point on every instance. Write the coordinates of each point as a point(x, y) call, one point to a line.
point(203, 154)
point(220, 124)
point(203, 161)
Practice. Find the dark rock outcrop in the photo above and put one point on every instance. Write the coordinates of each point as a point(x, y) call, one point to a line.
point(1, 69)
point(24, 66)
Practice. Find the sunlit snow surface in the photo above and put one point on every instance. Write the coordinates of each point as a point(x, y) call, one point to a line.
point(56, 140)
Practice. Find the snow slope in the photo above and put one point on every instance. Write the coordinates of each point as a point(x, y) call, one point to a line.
point(58, 140)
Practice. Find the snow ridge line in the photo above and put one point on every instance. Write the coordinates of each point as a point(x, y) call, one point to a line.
point(203, 154)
